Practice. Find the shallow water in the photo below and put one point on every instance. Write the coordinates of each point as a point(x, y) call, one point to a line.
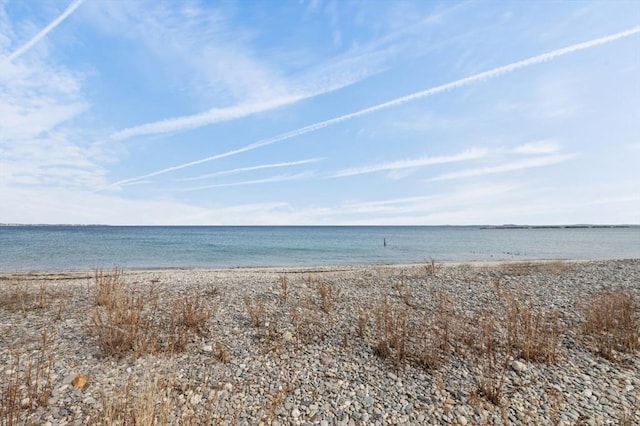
point(86, 247)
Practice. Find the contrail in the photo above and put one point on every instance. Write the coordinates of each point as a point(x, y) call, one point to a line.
point(42, 34)
point(251, 168)
point(486, 75)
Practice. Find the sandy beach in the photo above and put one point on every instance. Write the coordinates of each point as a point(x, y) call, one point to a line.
point(477, 343)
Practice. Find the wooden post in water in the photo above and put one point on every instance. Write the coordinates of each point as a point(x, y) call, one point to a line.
point(384, 242)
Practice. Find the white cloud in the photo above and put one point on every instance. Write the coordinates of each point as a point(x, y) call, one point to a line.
point(37, 100)
point(412, 163)
point(212, 56)
point(507, 167)
point(465, 196)
point(540, 147)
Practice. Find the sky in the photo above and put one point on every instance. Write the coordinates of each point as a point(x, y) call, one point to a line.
point(321, 112)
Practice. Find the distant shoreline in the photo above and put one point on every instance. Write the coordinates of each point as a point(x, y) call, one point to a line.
point(558, 226)
point(506, 226)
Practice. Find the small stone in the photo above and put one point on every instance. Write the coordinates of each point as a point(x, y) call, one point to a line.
point(25, 403)
point(324, 423)
point(288, 336)
point(462, 420)
point(207, 348)
point(295, 413)
point(195, 399)
point(519, 367)
point(80, 381)
point(587, 393)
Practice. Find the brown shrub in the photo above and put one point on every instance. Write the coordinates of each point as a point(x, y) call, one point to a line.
point(392, 332)
point(256, 309)
point(329, 296)
point(131, 320)
point(611, 322)
point(26, 384)
point(532, 333)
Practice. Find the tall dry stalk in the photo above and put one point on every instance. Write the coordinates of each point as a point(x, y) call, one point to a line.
point(492, 365)
point(532, 333)
point(329, 296)
point(612, 322)
point(392, 325)
point(26, 384)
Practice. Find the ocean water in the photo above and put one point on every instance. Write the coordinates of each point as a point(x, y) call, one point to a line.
point(24, 248)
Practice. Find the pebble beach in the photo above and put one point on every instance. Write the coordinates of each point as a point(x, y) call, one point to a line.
point(352, 345)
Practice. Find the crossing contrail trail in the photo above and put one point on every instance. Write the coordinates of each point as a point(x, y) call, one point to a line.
point(43, 33)
point(486, 75)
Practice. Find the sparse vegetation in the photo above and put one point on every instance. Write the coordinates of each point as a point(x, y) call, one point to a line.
point(532, 333)
point(256, 309)
point(491, 365)
point(329, 296)
point(612, 322)
point(392, 326)
point(129, 319)
point(283, 281)
point(431, 267)
point(25, 384)
point(421, 325)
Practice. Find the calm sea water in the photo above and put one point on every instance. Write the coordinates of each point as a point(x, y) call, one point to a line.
point(86, 247)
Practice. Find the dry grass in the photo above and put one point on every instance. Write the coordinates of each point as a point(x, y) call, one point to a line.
point(532, 333)
point(256, 309)
point(436, 334)
point(404, 291)
point(283, 281)
point(222, 352)
point(191, 312)
point(109, 286)
point(144, 403)
point(612, 322)
point(392, 326)
point(20, 297)
point(26, 384)
point(363, 322)
point(491, 364)
point(128, 319)
point(431, 268)
point(329, 296)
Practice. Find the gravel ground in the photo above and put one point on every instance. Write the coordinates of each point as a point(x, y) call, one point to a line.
point(315, 363)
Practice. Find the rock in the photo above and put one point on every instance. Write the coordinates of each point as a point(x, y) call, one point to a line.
point(195, 399)
point(295, 413)
point(587, 393)
point(207, 348)
point(462, 420)
point(287, 336)
point(80, 381)
point(519, 367)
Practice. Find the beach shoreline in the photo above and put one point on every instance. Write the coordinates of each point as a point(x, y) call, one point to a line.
point(357, 344)
point(89, 272)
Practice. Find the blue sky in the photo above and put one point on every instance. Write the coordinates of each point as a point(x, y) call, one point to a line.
point(319, 112)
